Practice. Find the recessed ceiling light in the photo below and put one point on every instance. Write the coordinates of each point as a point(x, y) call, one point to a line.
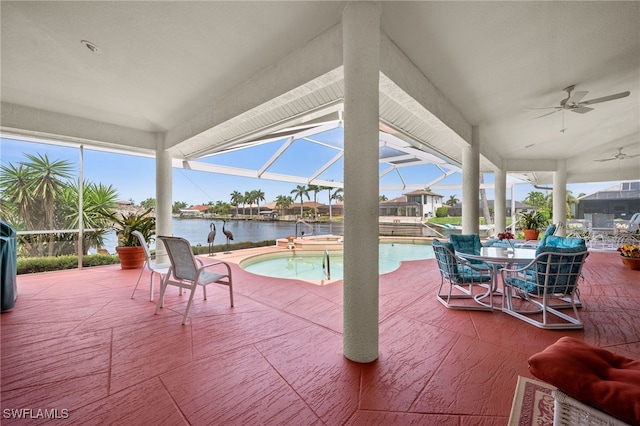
point(92, 47)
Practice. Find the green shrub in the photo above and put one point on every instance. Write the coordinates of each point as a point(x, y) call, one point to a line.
point(442, 211)
point(29, 265)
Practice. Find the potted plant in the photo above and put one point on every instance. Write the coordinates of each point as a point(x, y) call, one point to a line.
point(531, 223)
point(129, 250)
point(630, 254)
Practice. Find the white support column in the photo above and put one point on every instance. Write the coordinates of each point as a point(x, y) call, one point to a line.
point(164, 201)
point(361, 57)
point(513, 209)
point(471, 184)
point(560, 196)
point(500, 201)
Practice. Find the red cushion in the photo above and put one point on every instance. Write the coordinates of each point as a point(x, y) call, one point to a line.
point(593, 376)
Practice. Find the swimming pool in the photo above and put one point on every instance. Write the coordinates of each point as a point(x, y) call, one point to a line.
point(308, 265)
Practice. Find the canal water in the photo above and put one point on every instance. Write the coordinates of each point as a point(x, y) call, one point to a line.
point(197, 230)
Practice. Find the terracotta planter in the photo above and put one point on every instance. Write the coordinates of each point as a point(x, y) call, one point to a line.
point(530, 234)
point(631, 262)
point(131, 257)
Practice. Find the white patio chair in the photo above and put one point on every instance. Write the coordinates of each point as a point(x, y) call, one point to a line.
point(460, 278)
point(547, 284)
point(188, 272)
point(150, 264)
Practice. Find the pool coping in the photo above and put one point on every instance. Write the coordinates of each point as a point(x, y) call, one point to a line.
point(237, 256)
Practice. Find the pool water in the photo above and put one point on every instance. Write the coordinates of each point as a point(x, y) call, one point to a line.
point(309, 265)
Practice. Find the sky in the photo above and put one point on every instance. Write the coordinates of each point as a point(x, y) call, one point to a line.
point(134, 176)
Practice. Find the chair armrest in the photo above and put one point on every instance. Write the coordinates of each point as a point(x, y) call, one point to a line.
point(209, 265)
point(483, 267)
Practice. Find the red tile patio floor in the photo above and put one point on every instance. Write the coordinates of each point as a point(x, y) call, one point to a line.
point(77, 341)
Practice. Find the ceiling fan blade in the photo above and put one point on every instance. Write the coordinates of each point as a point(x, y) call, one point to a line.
point(632, 156)
point(581, 109)
point(606, 159)
point(577, 96)
point(535, 108)
point(605, 98)
point(544, 115)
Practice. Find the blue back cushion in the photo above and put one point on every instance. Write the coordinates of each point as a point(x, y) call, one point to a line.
point(576, 245)
point(563, 271)
point(469, 243)
point(446, 261)
point(551, 229)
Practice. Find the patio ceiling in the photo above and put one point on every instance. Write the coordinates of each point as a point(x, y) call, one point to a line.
point(207, 77)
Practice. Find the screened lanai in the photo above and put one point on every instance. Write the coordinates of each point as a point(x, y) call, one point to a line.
point(179, 81)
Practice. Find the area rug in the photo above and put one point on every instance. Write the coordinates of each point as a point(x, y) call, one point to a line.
point(532, 404)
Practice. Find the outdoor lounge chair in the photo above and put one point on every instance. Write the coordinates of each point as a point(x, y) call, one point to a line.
point(150, 264)
point(188, 272)
point(547, 284)
point(459, 278)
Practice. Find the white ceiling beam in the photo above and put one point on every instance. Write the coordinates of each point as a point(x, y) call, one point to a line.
point(275, 156)
point(387, 171)
point(236, 171)
point(326, 166)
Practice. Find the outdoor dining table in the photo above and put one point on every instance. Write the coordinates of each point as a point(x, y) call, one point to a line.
point(496, 258)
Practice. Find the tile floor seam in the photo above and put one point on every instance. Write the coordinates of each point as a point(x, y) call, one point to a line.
point(273, 367)
point(427, 382)
point(110, 363)
point(87, 318)
point(293, 315)
point(175, 403)
point(401, 310)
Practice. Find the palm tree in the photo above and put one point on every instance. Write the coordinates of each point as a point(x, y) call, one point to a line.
point(536, 199)
point(337, 195)
point(258, 195)
point(45, 179)
point(177, 206)
point(315, 189)
point(248, 199)
point(382, 198)
point(96, 199)
point(300, 191)
point(16, 196)
point(452, 201)
point(283, 201)
point(236, 198)
point(570, 199)
point(484, 203)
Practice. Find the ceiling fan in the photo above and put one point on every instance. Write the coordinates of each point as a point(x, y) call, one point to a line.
point(574, 103)
point(620, 156)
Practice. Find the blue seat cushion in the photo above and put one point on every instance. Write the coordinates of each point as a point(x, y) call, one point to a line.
point(494, 242)
point(469, 275)
point(458, 273)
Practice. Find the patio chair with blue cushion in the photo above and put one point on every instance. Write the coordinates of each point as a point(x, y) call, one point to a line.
point(547, 284)
point(188, 272)
point(470, 244)
point(460, 279)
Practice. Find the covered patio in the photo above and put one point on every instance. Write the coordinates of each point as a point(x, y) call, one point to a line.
point(76, 341)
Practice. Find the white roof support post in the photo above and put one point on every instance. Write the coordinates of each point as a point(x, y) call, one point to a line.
point(361, 57)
